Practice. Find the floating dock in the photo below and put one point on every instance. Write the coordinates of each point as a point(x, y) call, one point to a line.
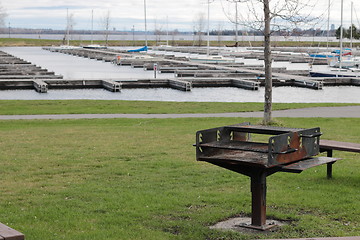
point(17, 73)
point(43, 85)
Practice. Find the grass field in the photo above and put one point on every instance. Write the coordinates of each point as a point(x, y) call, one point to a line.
point(13, 42)
point(11, 107)
point(138, 179)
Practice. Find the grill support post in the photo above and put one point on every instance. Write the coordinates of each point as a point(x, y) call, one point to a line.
point(329, 153)
point(258, 194)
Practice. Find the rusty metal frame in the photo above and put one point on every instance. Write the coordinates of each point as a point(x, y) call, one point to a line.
point(288, 150)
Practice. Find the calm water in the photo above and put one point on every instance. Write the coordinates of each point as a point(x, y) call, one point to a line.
point(81, 68)
point(71, 67)
point(280, 95)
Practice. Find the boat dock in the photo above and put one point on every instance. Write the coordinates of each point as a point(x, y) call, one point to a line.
point(256, 53)
point(17, 73)
point(236, 70)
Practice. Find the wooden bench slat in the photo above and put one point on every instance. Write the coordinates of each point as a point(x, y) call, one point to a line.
point(7, 233)
point(300, 166)
point(340, 146)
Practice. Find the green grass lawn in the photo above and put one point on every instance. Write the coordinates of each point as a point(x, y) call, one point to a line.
point(138, 179)
point(47, 42)
point(11, 107)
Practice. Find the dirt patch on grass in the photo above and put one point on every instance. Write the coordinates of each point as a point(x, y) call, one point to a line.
point(241, 224)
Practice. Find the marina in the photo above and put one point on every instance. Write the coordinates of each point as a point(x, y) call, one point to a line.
point(159, 69)
point(116, 162)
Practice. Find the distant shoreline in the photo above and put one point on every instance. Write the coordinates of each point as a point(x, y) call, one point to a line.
point(17, 42)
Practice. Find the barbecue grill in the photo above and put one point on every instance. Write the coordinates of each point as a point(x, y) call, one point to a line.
point(286, 150)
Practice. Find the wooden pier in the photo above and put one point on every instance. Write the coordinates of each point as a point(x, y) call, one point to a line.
point(278, 55)
point(113, 85)
point(16, 73)
point(182, 68)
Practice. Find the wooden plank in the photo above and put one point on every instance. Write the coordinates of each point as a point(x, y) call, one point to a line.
point(340, 146)
point(21, 77)
point(302, 165)
point(7, 233)
point(238, 158)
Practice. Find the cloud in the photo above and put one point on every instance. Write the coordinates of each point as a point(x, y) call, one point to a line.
point(125, 14)
point(53, 7)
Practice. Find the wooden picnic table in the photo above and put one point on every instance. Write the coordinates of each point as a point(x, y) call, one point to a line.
point(329, 145)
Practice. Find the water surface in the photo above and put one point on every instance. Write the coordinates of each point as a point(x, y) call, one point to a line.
point(83, 68)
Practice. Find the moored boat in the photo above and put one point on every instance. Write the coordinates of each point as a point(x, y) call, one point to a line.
point(351, 72)
point(212, 59)
point(95, 46)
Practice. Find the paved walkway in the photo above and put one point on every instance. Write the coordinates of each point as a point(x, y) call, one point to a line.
point(321, 112)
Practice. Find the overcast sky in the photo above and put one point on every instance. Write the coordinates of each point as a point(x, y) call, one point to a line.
point(128, 13)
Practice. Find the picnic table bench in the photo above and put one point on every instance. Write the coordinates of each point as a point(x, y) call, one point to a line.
point(329, 145)
point(7, 233)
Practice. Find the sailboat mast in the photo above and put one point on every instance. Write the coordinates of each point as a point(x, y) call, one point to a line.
point(208, 30)
point(341, 34)
point(351, 27)
point(328, 26)
point(236, 23)
point(167, 30)
point(67, 27)
point(92, 25)
point(146, 42)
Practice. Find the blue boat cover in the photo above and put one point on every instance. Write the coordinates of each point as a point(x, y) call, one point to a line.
point(145, 48)
point(344, 50)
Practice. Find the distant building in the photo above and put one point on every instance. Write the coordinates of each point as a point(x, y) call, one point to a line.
point(332, 28)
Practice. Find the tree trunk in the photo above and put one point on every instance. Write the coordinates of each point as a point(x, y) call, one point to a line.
point(267, 62)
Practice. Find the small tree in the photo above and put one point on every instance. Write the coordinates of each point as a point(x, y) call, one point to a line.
point(270, 16)
point(199, 26)
point(158, 32)
point(337, 33)
point(355, 32)
point(70, 23)
point(106, 19)
point(3, 16)
point(173, 34)
point(219, 33)
point(347, 32)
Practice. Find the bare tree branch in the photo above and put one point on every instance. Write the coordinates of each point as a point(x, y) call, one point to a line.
point(106, 20)
point(3, 16)
point(199, 26)
point(269, 16)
